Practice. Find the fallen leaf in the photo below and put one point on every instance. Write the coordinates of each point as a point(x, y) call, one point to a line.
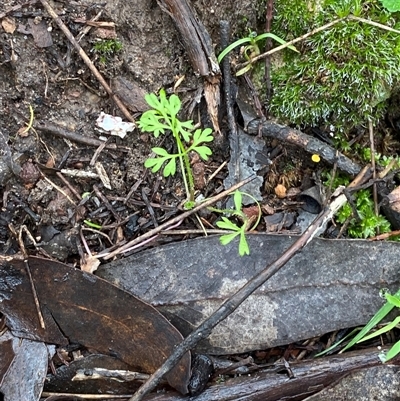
point(89, 311)
point(27, 371)
point(329, 285)
point(7, 355)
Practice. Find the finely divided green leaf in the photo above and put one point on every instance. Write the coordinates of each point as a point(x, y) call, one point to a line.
point(154, 163)
point(243, 245)
point(174, 105)
point(201, 136)
point(227, 238)
point(237, 200)
point(187, 124)
point(160, 151)
point(152, 101)
point(152, 121)
point(226, 224)
point(179, 130)
point(170, 168)
point(203, 151)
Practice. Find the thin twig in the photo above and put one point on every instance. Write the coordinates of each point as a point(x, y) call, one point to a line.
point(28, 270)
point(287, 44)
point(235, 300)
point(72, 136)
point(373, 23)
point(372, 147)
point(176, 219)
point(35, 297)
point(69, 185)
point(209, 179)
point(88, 27)
point(106, 202)
point(195, 231)
point(313, 32)
point(87, 60)
point(59, 189)
point(85, 396)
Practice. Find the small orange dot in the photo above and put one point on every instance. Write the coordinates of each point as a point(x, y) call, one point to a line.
point(280, 191)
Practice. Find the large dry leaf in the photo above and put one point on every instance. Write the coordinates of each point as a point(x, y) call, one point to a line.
point(89, 311)
point(330, 284)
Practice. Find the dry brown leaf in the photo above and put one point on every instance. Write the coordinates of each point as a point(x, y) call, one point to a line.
point(84, 309)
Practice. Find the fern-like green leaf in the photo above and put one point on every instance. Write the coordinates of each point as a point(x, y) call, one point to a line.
point(243, 245)
point(154, 164)
point(227, 238)
point(170, 168)
point(226, 224)
point(203, 151)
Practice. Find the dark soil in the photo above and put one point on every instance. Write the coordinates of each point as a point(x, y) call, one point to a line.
point(64, 94)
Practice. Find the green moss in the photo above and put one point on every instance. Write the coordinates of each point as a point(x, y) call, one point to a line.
point(344, 75)
point(106, 49)
point(366, 223)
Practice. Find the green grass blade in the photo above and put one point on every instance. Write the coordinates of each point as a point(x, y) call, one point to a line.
point(383, 330)
point(333, 346)
point(393, 300)
point(276, 38)
point(232, 46)
point(382, 313)
point(237, 200)
point(392, 352)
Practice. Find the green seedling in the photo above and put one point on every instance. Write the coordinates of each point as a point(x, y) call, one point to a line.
point(237, 230)
point(162, 119)
point(365, 223)
point(92, 225)
point(252, 49)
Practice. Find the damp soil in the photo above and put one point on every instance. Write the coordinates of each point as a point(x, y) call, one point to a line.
point(50, 102)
